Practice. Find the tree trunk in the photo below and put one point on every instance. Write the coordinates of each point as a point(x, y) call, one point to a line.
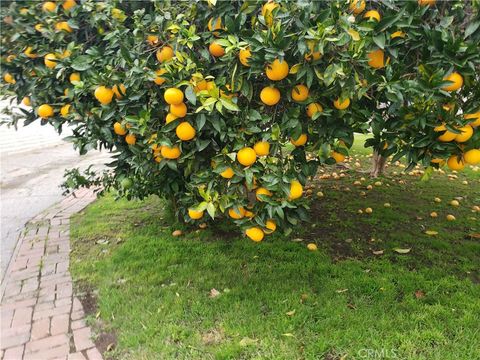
point(378, 162)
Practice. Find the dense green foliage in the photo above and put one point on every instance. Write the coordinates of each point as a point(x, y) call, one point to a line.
point(392, 67)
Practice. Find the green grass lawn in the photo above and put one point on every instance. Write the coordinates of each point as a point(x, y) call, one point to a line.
point(354, 298)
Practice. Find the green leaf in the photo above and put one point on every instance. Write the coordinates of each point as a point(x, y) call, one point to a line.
point(211, 210)
point(190, 94)
point(471, 28)
point(82, 63)
point(379, 40)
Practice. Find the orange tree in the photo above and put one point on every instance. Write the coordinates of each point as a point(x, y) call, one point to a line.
point(230, 107)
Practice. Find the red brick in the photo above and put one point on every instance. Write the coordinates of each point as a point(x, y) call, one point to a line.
point(22, 316)
point(76, 356)
point(62, 267)
point(64, 301)
point(7, 317)
point(19, 264)
point(40, 329)
point(15, 336)
point(51, 312)
point(77, 324)
point(30, 285)
point(18, 304)
point(82, 340)
point(47, 343)
point(59, 324)
point(14, 353)
point(58, 352)
point(94, 354)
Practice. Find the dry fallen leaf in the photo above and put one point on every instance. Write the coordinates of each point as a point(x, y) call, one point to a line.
point(290, 313)
point(431, 232)
point(402, 251)
point(419, 294)
point(288, 335)
point(339, 291)
point(377, 252)
point(214, 293)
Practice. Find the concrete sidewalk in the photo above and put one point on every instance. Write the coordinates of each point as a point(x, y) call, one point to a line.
point(41, 318)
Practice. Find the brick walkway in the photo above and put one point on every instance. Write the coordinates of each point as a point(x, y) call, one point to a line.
point(41, 319)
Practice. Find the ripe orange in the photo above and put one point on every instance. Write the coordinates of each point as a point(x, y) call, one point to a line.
point(271, 226)
point(185, 131)
point(26, 101)
point(63, 25)
point(357, 6)
point(64, 110)
point(466, 133)
point(160, 80)
point(130, 139)
point(173, 96)
point(372, 15)
point(446, 136)
point(244, 55)
point(9, 78)
point(214, 26)
point(376, 59)
point(119, 90)
point(236, 213)
point(302, 140)
point(299, 93)
point(45, 111)
point(397, 34)
point(426, 2)
point(10, 58)
point(50, 60)
point(152, 39)
point(74, 77)
point(119, 129)
point(475, 116)
point(169, 118)
point(456, 81)
point(227, 173)
point(29, 53)
point(450, 217)
point(267, 12)
point(262, 148)
point(277, 70)
point(312, 247)
point(246, 156)
point(341, 105)
point(338, 156)
point(195, 215)
point(170, 152)
point(68, 4)
point(179, 110)
point(255, 233)
point(296, 190)
point(104, 95)
point(262, 191)
point(49, 6)
point(270, 95)
point(216, 49)
point(39, 27)
point(164, 54)
point(454, 163)
point(472, 156)
point(249, 214)
point(313, 108)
